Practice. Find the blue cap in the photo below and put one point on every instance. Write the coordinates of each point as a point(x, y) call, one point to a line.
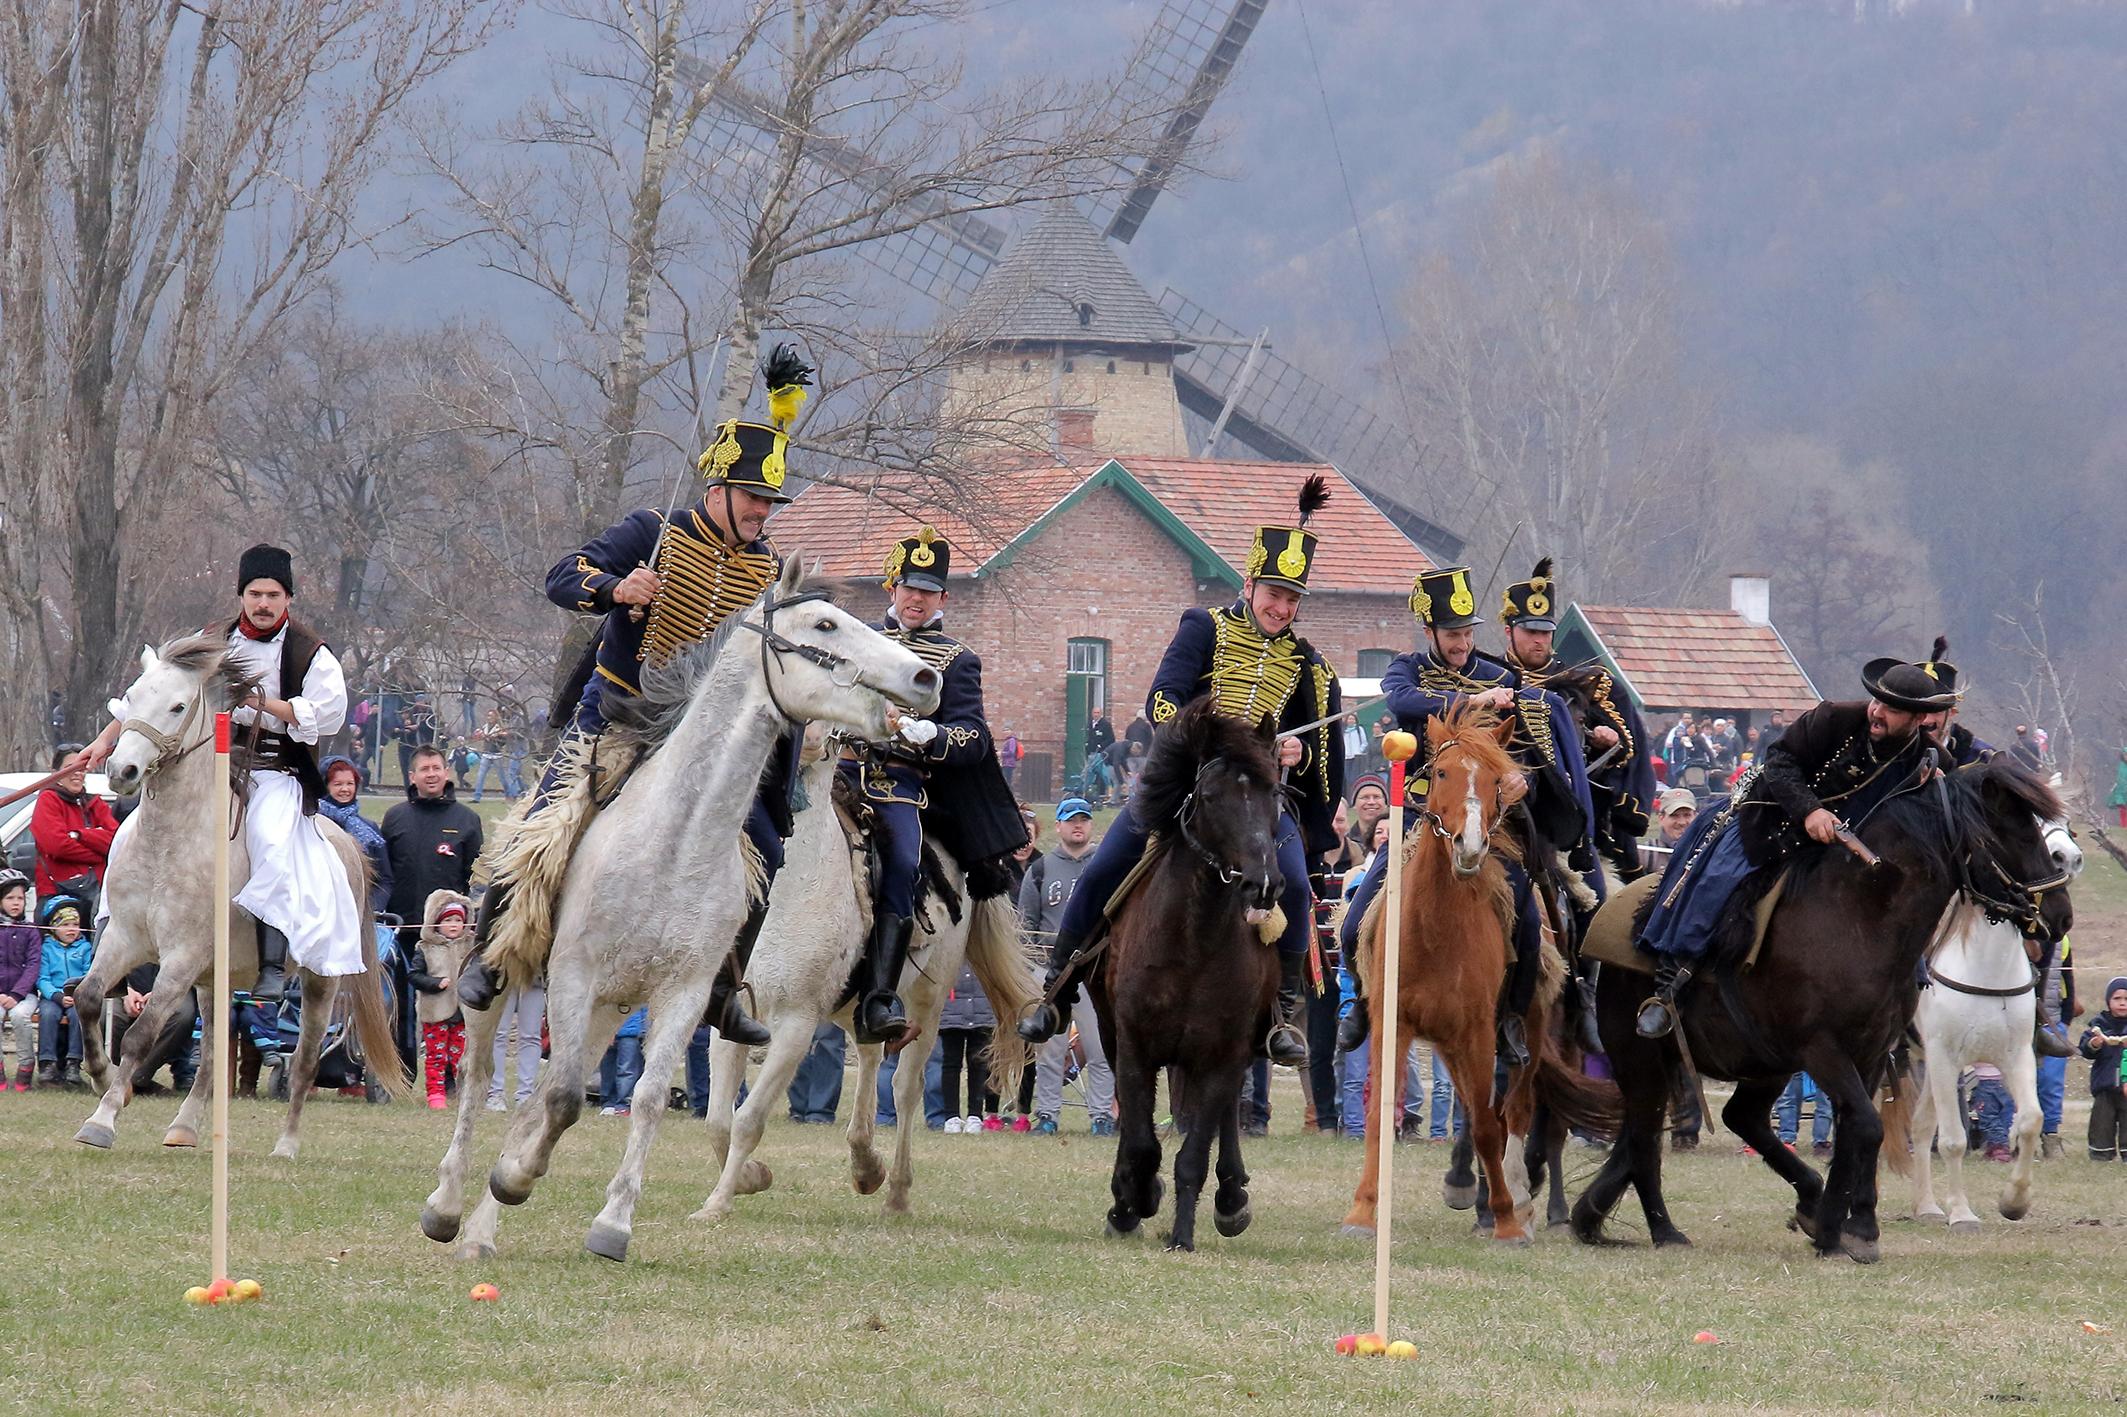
point(1073, 807)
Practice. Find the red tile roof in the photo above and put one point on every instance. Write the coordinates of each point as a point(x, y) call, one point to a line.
point(1699, 659)
point(1219, 501)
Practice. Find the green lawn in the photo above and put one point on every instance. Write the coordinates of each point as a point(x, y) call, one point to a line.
point(1000, 1294)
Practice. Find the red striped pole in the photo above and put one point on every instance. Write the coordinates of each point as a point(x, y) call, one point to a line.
point(1398, 748)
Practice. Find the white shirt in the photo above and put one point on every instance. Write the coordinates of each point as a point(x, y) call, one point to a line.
point(321, 706)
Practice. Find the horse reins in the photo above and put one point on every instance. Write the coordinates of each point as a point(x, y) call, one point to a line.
point(2020, 904)
point(777, 645)
point(1228, 874)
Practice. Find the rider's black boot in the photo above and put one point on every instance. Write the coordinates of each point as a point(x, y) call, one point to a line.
point(1354, 1026)
point(2048, 1044)
point(477, 985)
point(725, 1014)
point(880, 1017)
point(1591, 1038)
point(1658, 1014)
point(1045, 1021)
point(1513, 1041)
point(1287, 1043)
point(272, 964)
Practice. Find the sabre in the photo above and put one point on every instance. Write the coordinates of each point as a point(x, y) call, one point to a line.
point(1309, 727)
point(1608, 753)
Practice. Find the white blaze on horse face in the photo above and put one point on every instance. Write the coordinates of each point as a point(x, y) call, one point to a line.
point(2061, 843)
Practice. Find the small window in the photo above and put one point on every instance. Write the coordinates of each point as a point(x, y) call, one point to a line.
point(1025, 365)
point(1085, 314)
point(1069, 365)
point(1373, 663)
point(1146, 368)
point(1111, 366)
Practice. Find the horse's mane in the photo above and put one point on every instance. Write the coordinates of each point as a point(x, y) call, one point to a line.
point(207, 655)
point(1473, 730)
point(648, 719)
point(1182, 746)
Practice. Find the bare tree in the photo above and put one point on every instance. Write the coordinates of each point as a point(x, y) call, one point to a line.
point(1544, 367)
point(198, 172)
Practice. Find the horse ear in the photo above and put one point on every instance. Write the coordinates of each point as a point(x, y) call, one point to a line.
point(793, 576)
point(1437, 733)
point(147, 658)
point(1504, 730)
point(1267, 730)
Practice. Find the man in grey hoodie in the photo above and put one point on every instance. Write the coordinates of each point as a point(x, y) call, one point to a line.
point(1042, 898)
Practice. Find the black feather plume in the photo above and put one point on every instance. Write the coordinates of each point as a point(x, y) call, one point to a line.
point(783, 369)
point(1542, 571)
point(1314, 496)
point(1942, 647)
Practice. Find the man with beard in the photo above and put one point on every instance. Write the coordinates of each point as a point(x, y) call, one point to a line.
point(1832, 767)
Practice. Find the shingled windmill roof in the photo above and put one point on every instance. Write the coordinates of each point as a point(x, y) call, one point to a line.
point(1061, 281)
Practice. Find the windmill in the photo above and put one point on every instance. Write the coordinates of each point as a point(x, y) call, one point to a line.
point(1233, 387)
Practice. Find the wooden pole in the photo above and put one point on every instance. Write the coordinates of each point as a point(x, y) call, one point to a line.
point(218, 1244)
point(1397, 748)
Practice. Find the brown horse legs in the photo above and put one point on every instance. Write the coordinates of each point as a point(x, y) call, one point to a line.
point(1470, 1065)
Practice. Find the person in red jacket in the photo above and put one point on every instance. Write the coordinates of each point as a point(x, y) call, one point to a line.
point(72, 828)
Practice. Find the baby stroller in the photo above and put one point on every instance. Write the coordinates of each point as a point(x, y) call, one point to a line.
point(341, 1064)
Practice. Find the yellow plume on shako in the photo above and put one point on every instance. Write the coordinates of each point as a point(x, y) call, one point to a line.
point(787, 377)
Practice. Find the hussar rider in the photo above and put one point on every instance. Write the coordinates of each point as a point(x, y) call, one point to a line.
point(1425, 684)
point(297, 888)
point(937, 775)
point(1248, 659)
point(664, 581)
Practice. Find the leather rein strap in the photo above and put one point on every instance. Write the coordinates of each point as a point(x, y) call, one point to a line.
point(1979, 990)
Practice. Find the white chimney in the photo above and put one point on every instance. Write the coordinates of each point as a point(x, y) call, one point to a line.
point(1750, 596)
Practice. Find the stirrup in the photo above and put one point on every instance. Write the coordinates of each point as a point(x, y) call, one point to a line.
point(1295, 1053)
point(1657, 1017)
point(890, 1028)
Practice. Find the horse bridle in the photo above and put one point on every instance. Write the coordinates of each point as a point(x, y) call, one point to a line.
point(1184, 818)
point(2017, 903)
point(776, 645)
point(169, 747)
point(1431, 818)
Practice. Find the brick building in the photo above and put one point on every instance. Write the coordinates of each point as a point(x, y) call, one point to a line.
point(1070, 582)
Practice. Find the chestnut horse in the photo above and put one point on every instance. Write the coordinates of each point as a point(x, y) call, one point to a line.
point(1458, 906)
point(1189, 982)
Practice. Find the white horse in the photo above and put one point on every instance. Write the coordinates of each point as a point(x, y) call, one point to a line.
point(1980, 1008)
point(658, 885)
point(159, 892)
point(814, 934)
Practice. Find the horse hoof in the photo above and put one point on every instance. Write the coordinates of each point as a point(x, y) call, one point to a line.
point(437, 1226)
point(711, 1213)
point(1173, 1245)
point(1234, 1224)
point(96, 1134)
point(1353, 1230)
point(284, 1149)
point(1865, 1251)
point(867, 1178)
point(1805, 1223)
point(1122, 1226)
point(754, 1177)
point(1668, 1238)
point(608, 1242)
point(1963, 1227)
point(503, 1191)
point(1459, 1197)
point(2014, 1210)
point(1933, 1213)
point(180, 1137)
point(476, 1252)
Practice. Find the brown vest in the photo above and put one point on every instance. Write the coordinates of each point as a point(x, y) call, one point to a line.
point(278, 752)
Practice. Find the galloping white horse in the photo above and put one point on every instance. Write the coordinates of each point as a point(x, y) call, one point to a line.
point(658, 885)
point(159, 892)
point(810, 942)
point(1979, 1009)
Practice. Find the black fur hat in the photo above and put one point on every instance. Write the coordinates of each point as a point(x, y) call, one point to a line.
point(266, 563)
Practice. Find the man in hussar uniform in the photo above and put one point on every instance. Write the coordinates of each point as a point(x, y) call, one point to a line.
point(297, 888)
point(1831, 768)
point(1248, 659)
point(938, 775)
point(663, 581)
point(1425, 684)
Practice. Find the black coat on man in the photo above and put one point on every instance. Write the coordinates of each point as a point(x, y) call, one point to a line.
point(432, 842)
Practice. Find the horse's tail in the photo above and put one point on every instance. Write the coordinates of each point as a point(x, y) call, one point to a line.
point(373, 1012)
point(1593, 1105)
point(1008, 981)
point(1901, 1095)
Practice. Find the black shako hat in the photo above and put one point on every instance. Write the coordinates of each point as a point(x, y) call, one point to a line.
point(1911, 688)
point(1442, 599)
point(265, 563)
point(751, 455)
point(1283, 555)
point(1533, 603)
point(920, 561)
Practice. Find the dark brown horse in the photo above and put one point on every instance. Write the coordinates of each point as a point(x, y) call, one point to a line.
point(1830, 994)
point(1188, 982)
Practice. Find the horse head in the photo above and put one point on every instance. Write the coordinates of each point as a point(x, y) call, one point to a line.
point(1471, 783)
point(1211, 782)
point(2022, 866)
point(823, 664)
point(169, 710)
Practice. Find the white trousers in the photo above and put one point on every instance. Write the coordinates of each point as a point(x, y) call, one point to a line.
point(298, 884)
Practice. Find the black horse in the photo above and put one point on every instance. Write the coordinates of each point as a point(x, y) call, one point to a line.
point(1187, 982)
point(1830, 994)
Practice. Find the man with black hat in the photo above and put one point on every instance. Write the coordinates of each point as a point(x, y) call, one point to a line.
point(938, 774)
point(297, 888)
point(1832, 766)
point(663, 581)
point(1248, 660)
point(1421, 685)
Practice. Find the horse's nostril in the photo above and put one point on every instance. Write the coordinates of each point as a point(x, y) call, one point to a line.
point(927, 679)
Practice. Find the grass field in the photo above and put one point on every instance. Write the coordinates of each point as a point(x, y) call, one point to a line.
point(1000, 1293)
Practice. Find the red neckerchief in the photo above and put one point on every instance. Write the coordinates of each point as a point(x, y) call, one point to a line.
point(244, 625)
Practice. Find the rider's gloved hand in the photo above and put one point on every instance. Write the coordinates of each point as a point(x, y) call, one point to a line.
point(917, 732)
